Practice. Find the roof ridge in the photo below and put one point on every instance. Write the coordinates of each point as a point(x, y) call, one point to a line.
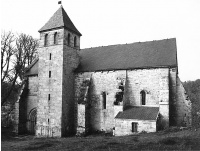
point(129, 43)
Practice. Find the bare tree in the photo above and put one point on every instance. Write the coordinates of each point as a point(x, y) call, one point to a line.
point(7, 52)
point(14, 60)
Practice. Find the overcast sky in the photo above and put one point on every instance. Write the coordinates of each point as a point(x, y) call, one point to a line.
point(110, 22)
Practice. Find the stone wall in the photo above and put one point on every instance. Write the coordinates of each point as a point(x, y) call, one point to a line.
point(124, 126)
point(56, 84)
point(50, 88)
point(183, 106)
point(100, 117)
point(70, 63)
point(32, 97)
point(172, 95)
point(81, 122)
point(180, 105)
point(155, 82)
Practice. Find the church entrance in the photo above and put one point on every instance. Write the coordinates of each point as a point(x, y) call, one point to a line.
point(32, 121)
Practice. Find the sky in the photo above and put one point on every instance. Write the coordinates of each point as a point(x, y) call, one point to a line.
point(111, 22)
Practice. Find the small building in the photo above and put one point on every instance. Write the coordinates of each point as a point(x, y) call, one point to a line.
point(136, 119)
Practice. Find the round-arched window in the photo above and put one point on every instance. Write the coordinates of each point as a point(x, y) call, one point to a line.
point(143, 97)
point(55, 38)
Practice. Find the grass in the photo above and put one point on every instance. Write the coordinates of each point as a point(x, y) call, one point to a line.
point(165, 140)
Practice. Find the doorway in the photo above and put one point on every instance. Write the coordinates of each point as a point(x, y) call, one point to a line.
point(32, 120)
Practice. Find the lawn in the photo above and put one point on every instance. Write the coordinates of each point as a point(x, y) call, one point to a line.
point(165, 140)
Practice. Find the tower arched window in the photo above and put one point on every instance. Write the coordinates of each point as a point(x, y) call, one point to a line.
point(75, 41)
point(68, 39)
point(143, 97)
point(46, 40)
point(55, 38)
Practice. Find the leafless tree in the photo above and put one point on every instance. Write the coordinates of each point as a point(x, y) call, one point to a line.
point(7, 52)
point(17, 52)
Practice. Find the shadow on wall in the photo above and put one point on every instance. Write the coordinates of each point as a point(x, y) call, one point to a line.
point(160, 123)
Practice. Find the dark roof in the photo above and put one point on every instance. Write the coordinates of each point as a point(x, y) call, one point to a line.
point(60, 19)
point(32, 68)
point(139, 113)
point(159, 53)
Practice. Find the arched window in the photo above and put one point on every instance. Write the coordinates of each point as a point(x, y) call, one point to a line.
point(32, 120)
point(75, 41)
point(55, 38)
point(68, 39)
point(46, 40)
point(143, 97)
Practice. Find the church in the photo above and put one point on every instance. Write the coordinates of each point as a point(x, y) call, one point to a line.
point(121, 89)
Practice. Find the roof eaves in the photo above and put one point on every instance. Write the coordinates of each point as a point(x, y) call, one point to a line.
point(136, 68)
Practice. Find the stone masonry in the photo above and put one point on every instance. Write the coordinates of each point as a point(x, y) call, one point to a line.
point(73, 91)
point(55, 106)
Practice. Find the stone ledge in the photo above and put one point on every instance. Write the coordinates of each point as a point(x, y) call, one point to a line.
point(163, 103)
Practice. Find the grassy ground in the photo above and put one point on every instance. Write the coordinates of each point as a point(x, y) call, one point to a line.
point(165, 140)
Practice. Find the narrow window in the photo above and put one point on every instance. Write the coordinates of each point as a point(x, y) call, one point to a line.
point(46, 40)
point(68, 39)
point(143, 97)
point(56, 38)
point(104, 100)
point(119, 95)
point(134, 126)
point(50, 56)
point(49, 97)
point(75, 41)
point(49, 74)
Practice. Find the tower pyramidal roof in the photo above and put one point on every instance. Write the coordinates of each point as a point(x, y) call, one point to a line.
point(58, 20)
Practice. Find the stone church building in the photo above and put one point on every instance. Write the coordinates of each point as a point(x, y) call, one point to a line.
point(126, 88)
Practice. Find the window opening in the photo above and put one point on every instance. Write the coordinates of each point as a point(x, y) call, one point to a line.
point(75, 41)
point(49, 74)
point(134, 126)
point(104, 99)
point(56, 38)
point(50, 56)
point(68, 39)
point(143, 97)
point(49, 97)
point(120, 94)
point(46, 40)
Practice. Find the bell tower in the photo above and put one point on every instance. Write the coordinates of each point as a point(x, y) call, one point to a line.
point(58, 58)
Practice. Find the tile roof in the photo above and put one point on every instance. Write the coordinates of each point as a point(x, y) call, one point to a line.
point(139, 113)
point(60, 19)
point(159, 53)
